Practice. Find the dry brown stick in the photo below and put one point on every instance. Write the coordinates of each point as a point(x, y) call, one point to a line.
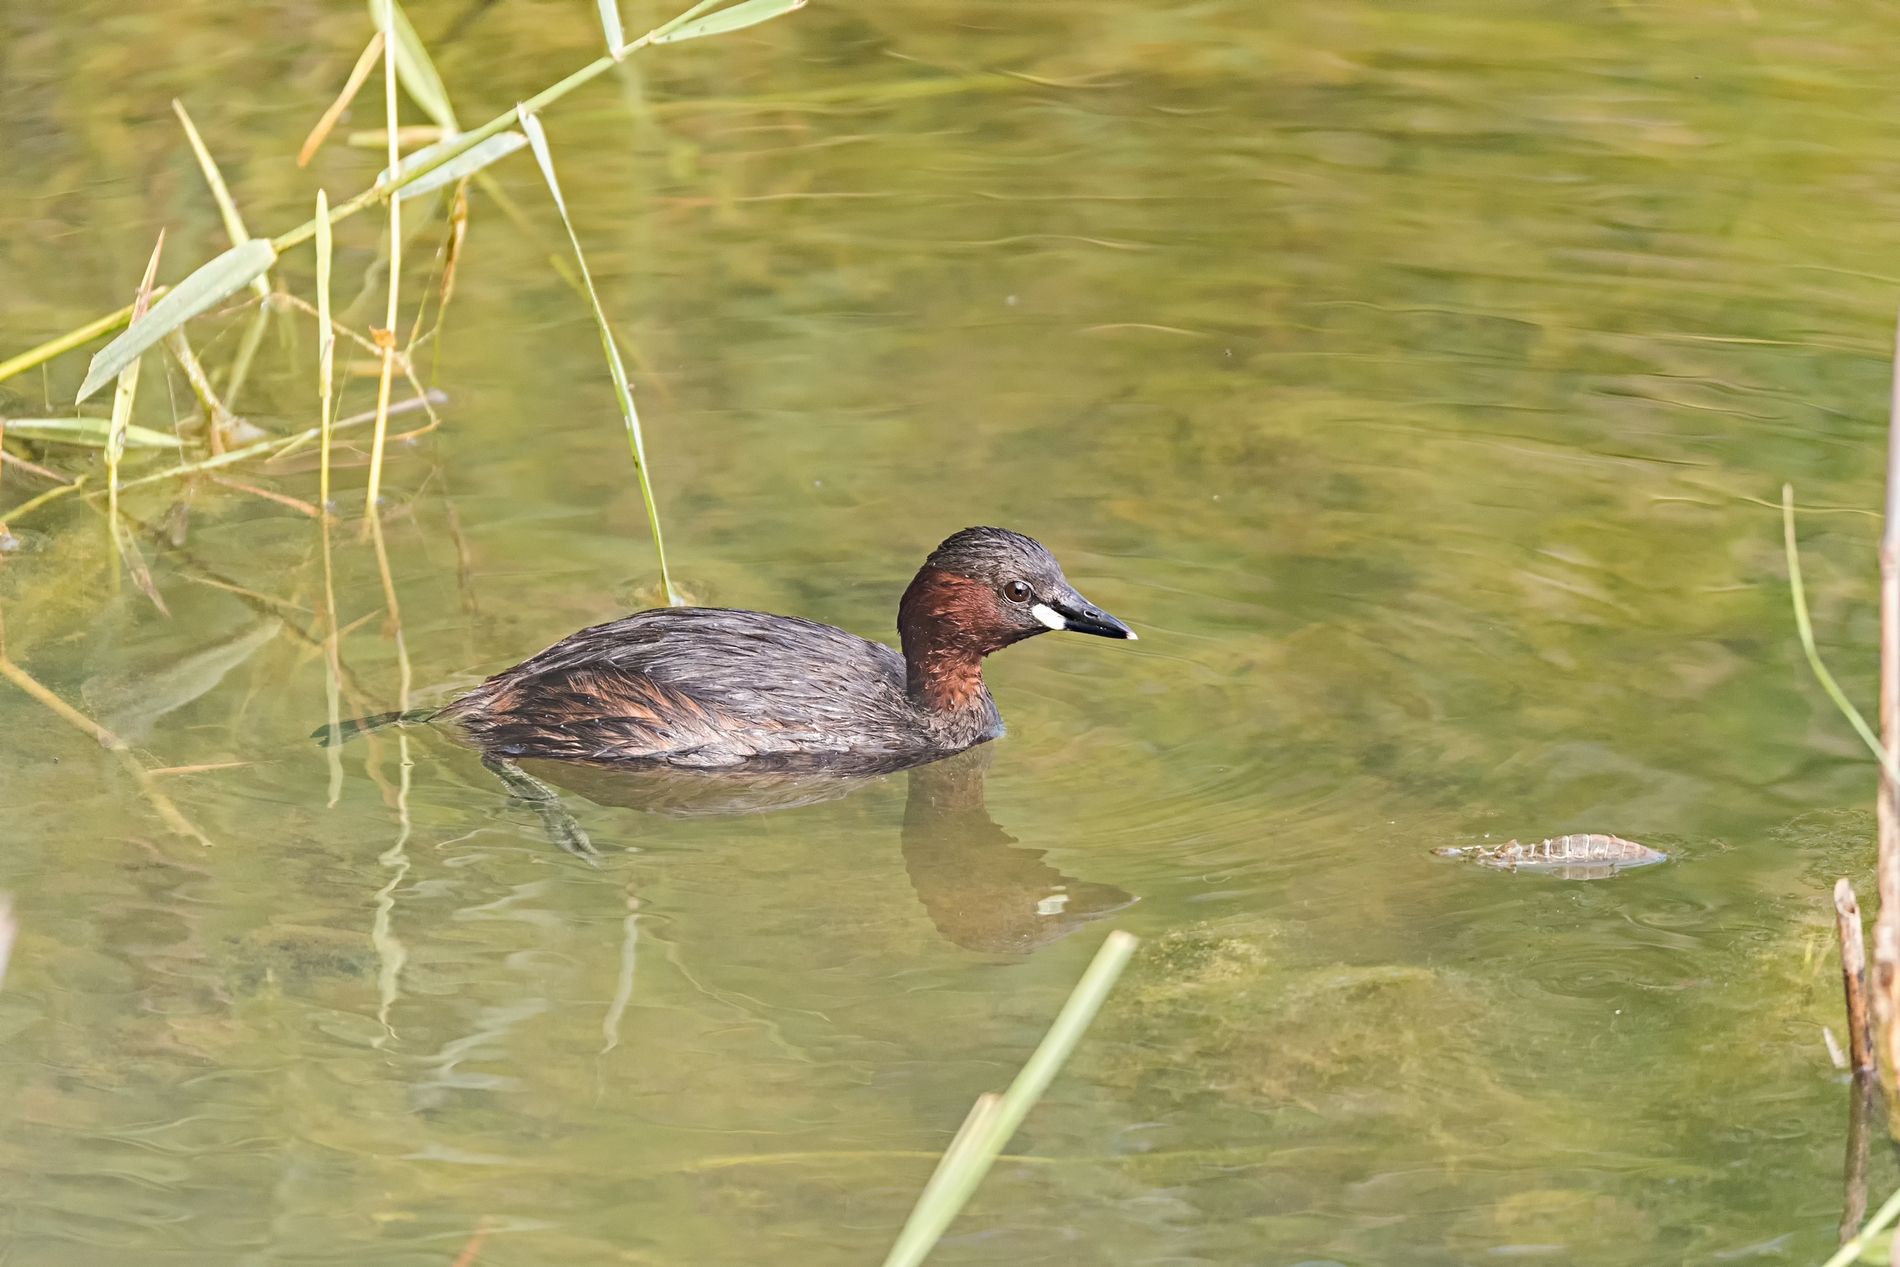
point(301, 507)
point(1860, 1036)
point(358, 74)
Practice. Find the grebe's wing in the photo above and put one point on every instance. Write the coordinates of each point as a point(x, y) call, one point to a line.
point(692, 686)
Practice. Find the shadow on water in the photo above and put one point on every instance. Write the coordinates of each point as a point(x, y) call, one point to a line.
point(982, 890)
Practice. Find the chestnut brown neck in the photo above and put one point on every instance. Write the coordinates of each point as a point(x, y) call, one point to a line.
point(948, 623)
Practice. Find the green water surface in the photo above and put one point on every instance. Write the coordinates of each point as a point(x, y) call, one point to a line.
point(1417, 379)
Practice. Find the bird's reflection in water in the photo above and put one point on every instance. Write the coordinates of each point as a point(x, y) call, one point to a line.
point(982, 890)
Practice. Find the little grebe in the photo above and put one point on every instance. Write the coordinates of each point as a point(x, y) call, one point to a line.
point(707, 687)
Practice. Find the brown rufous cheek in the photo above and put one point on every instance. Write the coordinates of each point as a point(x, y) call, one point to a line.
point(949, 623)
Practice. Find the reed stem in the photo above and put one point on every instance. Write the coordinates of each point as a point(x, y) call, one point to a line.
point(326, 365)
point(1887, 804)
point(989, 1126)
point(71, 339)
point(386, 338)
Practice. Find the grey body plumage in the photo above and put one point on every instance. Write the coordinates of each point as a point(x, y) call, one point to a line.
point(713, 688)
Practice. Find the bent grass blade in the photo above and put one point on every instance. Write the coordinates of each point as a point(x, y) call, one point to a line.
point(737, 18)
point(467, 163)
point(212, 282)
point(220, 192)
point(538, 139)
point(653, 36)
point(90, 432)
point(1806, 630)
point(993, 1120)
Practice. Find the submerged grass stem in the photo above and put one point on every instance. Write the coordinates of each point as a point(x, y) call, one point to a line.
point(159, 802)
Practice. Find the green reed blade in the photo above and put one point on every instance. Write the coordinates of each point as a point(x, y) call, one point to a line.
point(372, 514)
point(466, 163)
point(414, 67)
point(468, 140)
point(464, 142)
point(737, 18)
point(90, 432)
point(212, 282)
point(70, 340)
point(989, 1128)
point(122, 399)
point(538, 139)
point(1806, 629)
point(610, 23)
point(220, 193)
point(681, 20)
point(326, 346)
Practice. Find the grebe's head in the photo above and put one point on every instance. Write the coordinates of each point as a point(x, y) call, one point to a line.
point(1000, 587)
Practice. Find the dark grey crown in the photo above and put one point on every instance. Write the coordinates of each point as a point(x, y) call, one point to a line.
point(995, 555)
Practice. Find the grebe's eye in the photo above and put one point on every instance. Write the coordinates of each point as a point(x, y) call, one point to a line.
point(1016, 591)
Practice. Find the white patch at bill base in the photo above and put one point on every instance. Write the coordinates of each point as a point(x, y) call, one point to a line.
point(1048, 616)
